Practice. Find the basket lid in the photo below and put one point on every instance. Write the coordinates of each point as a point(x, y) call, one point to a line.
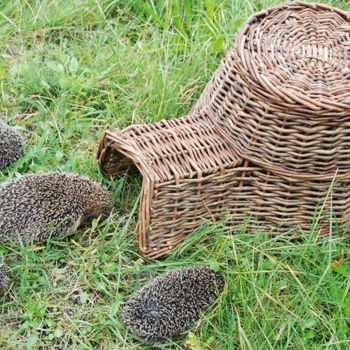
point(296, 56)
point(283, 92)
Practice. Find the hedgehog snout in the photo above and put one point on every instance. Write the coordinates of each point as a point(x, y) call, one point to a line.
point(98, 204)
point(88, 218)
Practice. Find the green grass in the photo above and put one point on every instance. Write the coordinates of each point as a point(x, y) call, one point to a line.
point(70, 69)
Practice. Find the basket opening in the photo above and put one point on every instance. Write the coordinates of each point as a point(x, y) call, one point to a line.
point(129, 185)
point(117, 163)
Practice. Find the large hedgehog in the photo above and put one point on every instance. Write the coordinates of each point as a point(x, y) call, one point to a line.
point(171, 303)
point(36, 207)
point(11, 145)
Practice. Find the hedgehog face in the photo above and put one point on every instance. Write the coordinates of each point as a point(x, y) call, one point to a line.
point(170, 304)
point(97, 203)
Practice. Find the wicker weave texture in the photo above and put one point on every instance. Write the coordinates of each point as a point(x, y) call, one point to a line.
point(171, 149)
point(191, 175)
point(283, 92)
point(267, 142)
point(179, 160)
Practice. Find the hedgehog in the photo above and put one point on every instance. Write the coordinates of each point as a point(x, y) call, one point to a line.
point(11, 145)
point(171, 303)
point(4, 280)
point(36, 207)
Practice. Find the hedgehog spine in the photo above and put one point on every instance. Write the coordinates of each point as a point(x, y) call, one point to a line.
point(171, 303)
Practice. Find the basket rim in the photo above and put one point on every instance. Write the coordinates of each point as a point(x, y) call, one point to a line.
point(284, 98)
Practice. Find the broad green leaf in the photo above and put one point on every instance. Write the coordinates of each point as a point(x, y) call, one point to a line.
point(309, 323)
point(346, 308)
point(73, 65)
point(84, 297)
point(218, 43)
point(58, 333)
point(33, 338)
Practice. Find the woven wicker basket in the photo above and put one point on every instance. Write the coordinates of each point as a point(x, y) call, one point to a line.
point(283, 91)
point(264, 142)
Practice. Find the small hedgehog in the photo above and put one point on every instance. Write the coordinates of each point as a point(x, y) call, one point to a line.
point(171, 303)
point(4, 280)
point(11, 145)
point(35, 207)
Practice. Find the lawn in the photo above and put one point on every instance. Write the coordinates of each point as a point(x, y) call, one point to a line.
point(70, 69)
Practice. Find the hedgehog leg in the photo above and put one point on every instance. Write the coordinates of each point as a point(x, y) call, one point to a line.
point(4, 279)
point(68, 227)
point(64, 228)
point(77, 223)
